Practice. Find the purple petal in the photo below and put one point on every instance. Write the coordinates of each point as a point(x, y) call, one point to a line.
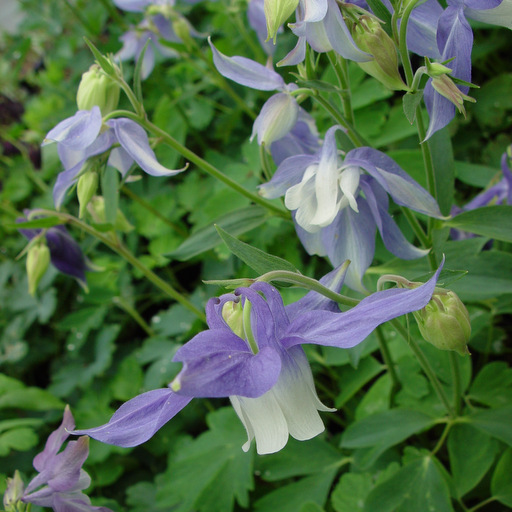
point(422, 29)
point(132, 5)
point(134, 141)
point(295, 56)
point(397, 183)
point(65, 254)
point(345, 330)
point(219, 364)
point(75, 502)
point(67, 466)
point(138, 419)
point(312, 242)
point(120, 160)
point(78, 131)
point(339, 35)
point(246, 71)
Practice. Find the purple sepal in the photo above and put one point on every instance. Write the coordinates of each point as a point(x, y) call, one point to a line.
point(345, 330)
point(138, 419)
point(78, 131)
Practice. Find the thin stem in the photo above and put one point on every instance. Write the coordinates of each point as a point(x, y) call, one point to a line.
point(339, 66)
point(132, 195)
point(482, 504)
point(402, 42)
point(204, 165)
point(386, 355)
point(416, 227)
point(455, 368)
point(425, 365)
point(123, 251)
point(443, 437)
point(125, 306)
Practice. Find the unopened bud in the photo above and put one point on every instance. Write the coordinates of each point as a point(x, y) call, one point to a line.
point(13, 494)
point(96, 208)
point(444, 85)
point(86, 188)
point(444, 322)
point(371, 38)
point(436, 69)
point(276, 13)
point(97, 89)
point(233, 315)
point(182, 29)
point(38, 259)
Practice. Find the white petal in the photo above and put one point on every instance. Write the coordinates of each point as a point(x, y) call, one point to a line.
point(501, 15)
point(349, 183)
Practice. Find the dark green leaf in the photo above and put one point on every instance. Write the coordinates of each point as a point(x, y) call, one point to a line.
point(34, 399)
point(489, 221)
point(410, 102)
point(351, 491)
point(236, 222)
point(260, 261)
point(444, 168)
point(21, 439)
point(501, 485)
point(495, 422)
point(493, 385)
point(381, 11)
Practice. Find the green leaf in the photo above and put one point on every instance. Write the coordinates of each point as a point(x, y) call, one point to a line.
point(471, 455)
point(110, 191)
point(209, 473)
point(381, 11)
point(495, 422)
point(444, 168)
point(260, 261)
point(33, 399)
point(21, 439)
point(489, 221)
point(385, 428)
point(128, 379)
point(47, 222)
point(293, 497)
point(418, 486)
point(236, 222)
point(351, 491)
point(102, 61)
point(501, 487)
point(137, 80)
point(298, 458)
point(311, 507)
point(493, 385)
point(410, 101)
point(22, 422)
point(493, 101)
point(475, 174)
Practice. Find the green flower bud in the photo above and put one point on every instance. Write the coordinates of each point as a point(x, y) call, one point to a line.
point(96, 88)
point(444, 322)
point(436, 69)
point(96, 208)
point(276, 13)
point(371, 38)
point(444, 85)
point(233, 315)
point(38, 259)
point(182, 28)
point(86, 188)
point(13, 494)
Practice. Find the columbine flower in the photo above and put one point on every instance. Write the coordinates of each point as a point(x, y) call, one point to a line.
point(455, 41)
point(65, 254)
point(83, 136)
point(256, 18)
point(280, 112)
point(333, 218)
point(252, 353)
point(61, 477)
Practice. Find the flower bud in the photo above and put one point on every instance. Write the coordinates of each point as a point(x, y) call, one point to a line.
point(233, 315)
point(86, 188)
point(444, 85)
point(276, 13)
point(444, 322)
point(182, 28)
point(38, 259)
point(437, 69)
point(13, 494)
point(97, 210)
point(371, 38)
point(97, 89)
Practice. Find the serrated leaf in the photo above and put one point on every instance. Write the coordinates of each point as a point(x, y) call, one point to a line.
point(236, 222)
point(21, 439)
point(33, 399)
point(500, 484)
point(260, 261)
point(410, 102)
point(209, 473)
point(490, 221)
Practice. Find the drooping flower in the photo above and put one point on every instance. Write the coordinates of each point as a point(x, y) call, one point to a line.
point(280, 112)
point(455, 41)
point(252, 353)
point(65, 254)
point(61, 478)
point(333, 218)
point(84, 135)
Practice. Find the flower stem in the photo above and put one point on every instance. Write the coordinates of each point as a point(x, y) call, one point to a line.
point(443, 437)
point(125, 306)
point(339, 66)
point(455, 368)
point(425, 365)
point(123, 251)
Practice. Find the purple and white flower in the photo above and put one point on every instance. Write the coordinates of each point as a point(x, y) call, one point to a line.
point(333, 218)
point(61, 478)
point(84, 135)
point(252, 354)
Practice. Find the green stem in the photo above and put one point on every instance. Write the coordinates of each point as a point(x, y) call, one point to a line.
point(203, 164)
point(120, 249)
point(425, 365)
point(482, 504)
point(135, 197)
point(455, 368)
point(402, 42)
point(416, 227)
point(308, 283)
point(339, 66)
point(386, 355)
point(125, 306)
point(443, 437)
